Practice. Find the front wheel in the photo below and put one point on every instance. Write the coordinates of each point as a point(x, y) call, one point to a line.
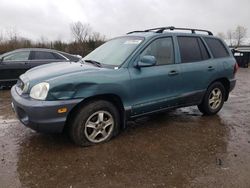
point(213, 99)
point(96, 122)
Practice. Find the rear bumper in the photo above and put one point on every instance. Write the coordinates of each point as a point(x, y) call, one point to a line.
point(232, 84)
point(41, 116)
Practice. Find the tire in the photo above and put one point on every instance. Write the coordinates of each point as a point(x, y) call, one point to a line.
point(216, 92)
point(95, 122)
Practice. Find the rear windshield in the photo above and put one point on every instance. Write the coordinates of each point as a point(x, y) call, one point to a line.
point(70, 57)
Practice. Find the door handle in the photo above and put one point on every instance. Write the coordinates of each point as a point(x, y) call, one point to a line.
point(210, 68)
point(173, 72)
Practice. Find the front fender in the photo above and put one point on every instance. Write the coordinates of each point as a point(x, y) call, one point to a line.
point(77, 86)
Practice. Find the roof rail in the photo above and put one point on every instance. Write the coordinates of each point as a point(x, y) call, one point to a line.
point(171, 28)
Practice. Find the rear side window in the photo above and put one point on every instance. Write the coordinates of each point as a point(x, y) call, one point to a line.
point(192, 49)
point(217, 47)
point(203, 49)
point(39, 55)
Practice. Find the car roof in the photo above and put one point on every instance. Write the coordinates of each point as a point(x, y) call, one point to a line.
point(37, 49)
point(170, 31)
point(152, 34)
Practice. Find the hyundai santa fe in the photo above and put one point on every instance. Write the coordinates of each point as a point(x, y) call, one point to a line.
point(138, 74)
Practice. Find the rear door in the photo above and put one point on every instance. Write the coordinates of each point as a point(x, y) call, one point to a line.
point(13, 65)
point(222, 57)
point(197, 68)
point(43, 57)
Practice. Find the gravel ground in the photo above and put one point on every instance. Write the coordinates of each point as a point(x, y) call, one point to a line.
point(180, 148)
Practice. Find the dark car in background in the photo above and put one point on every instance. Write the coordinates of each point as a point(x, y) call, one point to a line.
point(17, 62)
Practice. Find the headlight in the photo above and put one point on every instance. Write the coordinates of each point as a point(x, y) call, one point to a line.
point(39, 91)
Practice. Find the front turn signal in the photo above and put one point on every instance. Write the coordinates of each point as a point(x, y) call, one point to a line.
point(62, 110)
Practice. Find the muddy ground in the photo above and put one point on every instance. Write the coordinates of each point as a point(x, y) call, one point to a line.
point(180, 148)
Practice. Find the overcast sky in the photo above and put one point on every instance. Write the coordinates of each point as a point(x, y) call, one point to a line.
point(52, 18)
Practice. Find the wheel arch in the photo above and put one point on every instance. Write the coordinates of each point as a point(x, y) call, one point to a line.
point(225, 82)
point(114, 99)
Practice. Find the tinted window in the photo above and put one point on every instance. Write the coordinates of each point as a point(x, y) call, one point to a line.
point(204, 52)
point(18, 56)
point(217, 48)
point(191, 49)
point(71, 57)
point(162, 50)
point(57, 56)
point(39, 55)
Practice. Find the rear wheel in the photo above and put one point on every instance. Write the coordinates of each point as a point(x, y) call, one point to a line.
point(213, 99)
point(96, 122)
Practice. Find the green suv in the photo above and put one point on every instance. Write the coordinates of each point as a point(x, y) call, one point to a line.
point(138, 74)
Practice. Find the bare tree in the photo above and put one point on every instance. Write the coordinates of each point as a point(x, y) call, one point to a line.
point(12, 37)
point(221, 35)
point(81, 32)
point(96, 36)
point(230, 37)
point(42, 42)
point(1, 37)
point(85, 40)
point(239, 34)
point(12, 34)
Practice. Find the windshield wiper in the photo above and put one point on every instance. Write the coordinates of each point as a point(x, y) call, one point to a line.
point(94, 63)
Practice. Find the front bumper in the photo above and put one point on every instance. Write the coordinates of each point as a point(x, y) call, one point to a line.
point(41, 116)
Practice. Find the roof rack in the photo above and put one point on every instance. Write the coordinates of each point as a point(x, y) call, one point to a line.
point(171, 28)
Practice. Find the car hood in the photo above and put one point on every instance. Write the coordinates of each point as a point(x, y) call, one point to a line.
point(53, 70)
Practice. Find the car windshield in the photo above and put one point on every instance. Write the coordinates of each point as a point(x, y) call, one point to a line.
point(115, 51)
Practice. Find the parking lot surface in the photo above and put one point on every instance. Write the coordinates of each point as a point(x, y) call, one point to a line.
point(180, 148)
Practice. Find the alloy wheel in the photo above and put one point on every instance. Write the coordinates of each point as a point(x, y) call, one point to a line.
point(99, 126)
point(215, 98)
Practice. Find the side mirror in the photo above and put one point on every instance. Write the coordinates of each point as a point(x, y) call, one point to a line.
point(1, 59)
point(146, 61)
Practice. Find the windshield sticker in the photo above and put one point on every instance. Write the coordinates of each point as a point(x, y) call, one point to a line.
point(132, 42)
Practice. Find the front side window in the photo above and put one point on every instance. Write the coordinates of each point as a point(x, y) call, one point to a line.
point(116, 51)
point(162, 49)
point(217, 48)
point(17, 56)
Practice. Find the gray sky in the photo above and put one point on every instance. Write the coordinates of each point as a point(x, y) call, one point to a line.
point(52, 18)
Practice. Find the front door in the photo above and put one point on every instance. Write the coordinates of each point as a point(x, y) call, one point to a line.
point(155, 88)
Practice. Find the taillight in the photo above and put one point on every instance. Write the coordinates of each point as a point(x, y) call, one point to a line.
point(236, 67)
